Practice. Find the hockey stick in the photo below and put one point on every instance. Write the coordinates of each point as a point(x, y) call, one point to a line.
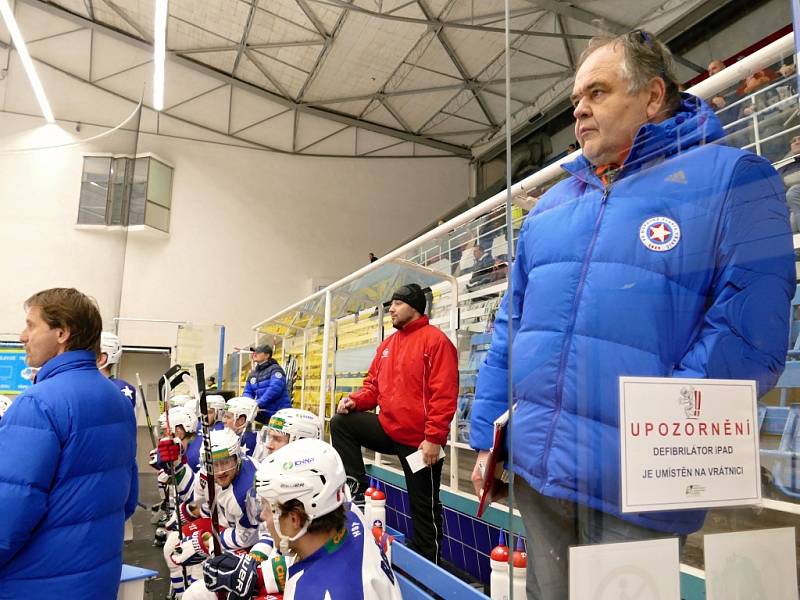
point(178, 520)
point(211, 484)
point(146, 411)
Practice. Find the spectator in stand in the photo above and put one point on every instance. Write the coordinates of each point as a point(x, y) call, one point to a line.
point(789, 87)
point(715, 66)
point(571, 148)
point(372, 257)
point(481, 269)
point(790, 173)
point(720, 101)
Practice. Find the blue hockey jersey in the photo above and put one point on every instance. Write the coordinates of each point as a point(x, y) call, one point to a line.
point(331, 573)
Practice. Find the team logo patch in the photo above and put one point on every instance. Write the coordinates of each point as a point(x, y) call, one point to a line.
point(253, 380)
point(278, 376)
point(659, 234)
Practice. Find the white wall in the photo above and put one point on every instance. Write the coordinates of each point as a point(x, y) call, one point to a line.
point(249, 228)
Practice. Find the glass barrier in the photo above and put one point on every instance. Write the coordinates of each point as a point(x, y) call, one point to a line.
point(690, 280)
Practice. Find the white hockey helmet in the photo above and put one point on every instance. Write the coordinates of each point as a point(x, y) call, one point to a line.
point(242, 406)
point(5, 402)
point(309, 471)
point(109, 344)
point(224, 443)
point(179, 415)
point(298, 424)
point(179, 399)
point(215, 401)
point(193, 406)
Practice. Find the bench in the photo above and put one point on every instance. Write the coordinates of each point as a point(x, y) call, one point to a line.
point(419, 578)
point(131, 582)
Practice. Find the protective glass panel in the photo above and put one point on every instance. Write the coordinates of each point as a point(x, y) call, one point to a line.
point(670, 255)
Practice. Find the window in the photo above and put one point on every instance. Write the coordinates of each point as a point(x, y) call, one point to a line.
point(124, 191)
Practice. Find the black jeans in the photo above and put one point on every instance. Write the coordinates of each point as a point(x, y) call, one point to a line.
point(352, 431)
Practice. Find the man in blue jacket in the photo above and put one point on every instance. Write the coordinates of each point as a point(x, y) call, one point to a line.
point(266, 383)
point(68, 477)
point(661, 255)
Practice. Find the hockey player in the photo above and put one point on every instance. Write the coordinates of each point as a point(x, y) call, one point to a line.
point(216, 410)
point(233, 478)
point(302, 489)
point(110, 353)
point(182, 451)
point(286, 425)
point(239, 414)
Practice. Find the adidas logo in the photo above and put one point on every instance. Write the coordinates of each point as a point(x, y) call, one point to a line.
point(677, 177)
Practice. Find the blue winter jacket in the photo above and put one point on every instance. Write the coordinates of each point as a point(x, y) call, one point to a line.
point(267, 385)
point(68, 481)
point(591, 302)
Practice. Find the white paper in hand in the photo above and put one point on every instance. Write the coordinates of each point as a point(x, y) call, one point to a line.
point(416, 462)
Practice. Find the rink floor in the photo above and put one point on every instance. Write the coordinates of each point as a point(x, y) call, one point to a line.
point(140, 552)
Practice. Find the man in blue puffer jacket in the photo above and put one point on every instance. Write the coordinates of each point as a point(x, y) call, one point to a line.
point(266, 383)
point(68, 477)
point(662, 255)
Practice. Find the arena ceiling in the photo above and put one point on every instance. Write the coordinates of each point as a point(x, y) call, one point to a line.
point(426, 72)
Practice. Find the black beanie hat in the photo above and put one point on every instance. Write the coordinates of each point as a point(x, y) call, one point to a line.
point(412, 295)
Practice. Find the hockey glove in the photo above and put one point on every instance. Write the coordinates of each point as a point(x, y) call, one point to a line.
point(169, 450)
point(191, 551)
point(202, 525)
point(236, 575)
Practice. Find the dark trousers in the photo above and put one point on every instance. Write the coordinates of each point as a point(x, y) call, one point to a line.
point(351, 432)
point(553, 525)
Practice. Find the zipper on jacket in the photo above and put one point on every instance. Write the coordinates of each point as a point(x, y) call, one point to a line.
point(570, 329)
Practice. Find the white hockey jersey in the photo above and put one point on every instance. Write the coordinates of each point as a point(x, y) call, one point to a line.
point(235, 506)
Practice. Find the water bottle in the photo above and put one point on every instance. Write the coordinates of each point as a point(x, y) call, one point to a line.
point(498, 560)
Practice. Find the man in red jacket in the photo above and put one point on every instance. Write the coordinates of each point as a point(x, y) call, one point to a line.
point(414, 380)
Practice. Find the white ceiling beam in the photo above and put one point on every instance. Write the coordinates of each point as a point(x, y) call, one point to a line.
point(590, 18)
point(451, 52)
point(567, 46)
point(122, 14)
point(265, 46)
point(448, 24)
point(265, 73)
point(329, 40)
point(245, 34)
point(311, 16)
point(285, 101)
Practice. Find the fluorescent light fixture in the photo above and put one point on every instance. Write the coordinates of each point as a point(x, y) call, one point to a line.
point(159, 53)
point(30, 70)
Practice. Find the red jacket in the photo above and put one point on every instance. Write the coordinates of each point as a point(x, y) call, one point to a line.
point(414, 379)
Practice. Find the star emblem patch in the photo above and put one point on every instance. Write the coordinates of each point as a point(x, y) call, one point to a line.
point(659, 234)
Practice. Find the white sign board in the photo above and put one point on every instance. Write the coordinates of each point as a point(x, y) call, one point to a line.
point(751, 564)
point(647, 570)
point(688, 443)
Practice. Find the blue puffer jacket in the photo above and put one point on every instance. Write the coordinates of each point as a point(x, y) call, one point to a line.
point(267, 385)
point(591, 302)
point(68, 481)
